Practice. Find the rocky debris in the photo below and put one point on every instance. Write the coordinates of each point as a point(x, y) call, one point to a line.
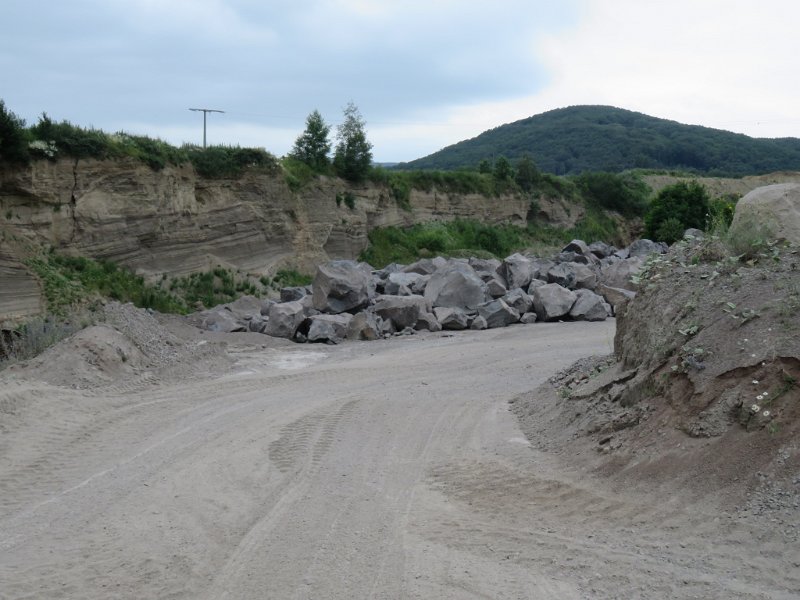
point(331, 329)
point(552, 301)
point(284, 319)
point(340, 286)
point(517, 270)
point(438, 293)
point(643, 248)
point(769, 212)
point(498, 314)
point(589, 307)
point(457, 286)
point(364, 326)
point(403, 311)
point(451, 318)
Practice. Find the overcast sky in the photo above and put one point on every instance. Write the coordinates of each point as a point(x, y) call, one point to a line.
point(425, 74)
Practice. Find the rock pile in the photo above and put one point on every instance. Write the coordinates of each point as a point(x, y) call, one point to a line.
point(350, 300)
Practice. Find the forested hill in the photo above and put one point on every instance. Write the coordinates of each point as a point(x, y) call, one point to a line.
point(603, 138)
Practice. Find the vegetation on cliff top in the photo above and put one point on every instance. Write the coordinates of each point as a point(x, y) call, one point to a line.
point(573, 140)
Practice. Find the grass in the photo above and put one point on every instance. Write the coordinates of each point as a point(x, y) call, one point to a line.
point(38, 334)
point(470, 238)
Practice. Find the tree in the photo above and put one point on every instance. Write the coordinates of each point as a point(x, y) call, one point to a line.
point(485, 166)
point(527, 173)
point(503, 171)
point(312, 146)
point(676, 208)
point(624, 193)
point(13, 143)
point(353, 156)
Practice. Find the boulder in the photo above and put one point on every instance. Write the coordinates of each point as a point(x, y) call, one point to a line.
point(290, 294)
point(451, 318)
point(457, 286)
point(284, 319)
point(562, 274)
point(497, 313)
point(585, 277)
point(517, 271)
point(552, 301)
point(364, 326)
point(576, 246)
point(425, 266)
point(220, 319)
point(245, 307)
point(619, 274)
point(601, 249)
point(484, 265)
point(693, 234)
point(329, 328)
point(339, 286)
point(534, 284)
point(644, 248)
point(540, 267)
point(478, 324)
point(257, 325)
point(404, 311)
point(518, 300)
point(427, 322)
point(771, 212)
point(616, 297)
point(588, 307)
point(265, 305)
point(528, 318)
point(405, 284)
point(495, 287)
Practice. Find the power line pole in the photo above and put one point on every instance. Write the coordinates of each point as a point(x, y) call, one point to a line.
point(205, 111)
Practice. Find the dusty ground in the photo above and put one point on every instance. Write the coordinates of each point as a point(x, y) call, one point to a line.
point(240, 466)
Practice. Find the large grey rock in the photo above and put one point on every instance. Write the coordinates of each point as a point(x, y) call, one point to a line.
point(329, 328)
point(290, 294)
point(245, 307)
point(478, 324)
point(644, 248)
point(405, 284)
point(619, 274)
point(601, 249)
point(457, 286)
point(588, 307)
point(517, 270)
point(771, 212)
point(528, 318)
point(563, 274)
point(497, 313)
point(427, 322)
point(257, 325)
point(552, 301)
point(495, 287)
point(341, 285)
point(585, 277)
point(616, 297)
point(577, 246)
point(364, 326)
point(451, 318)
point(219, 319)
point(404, 311)
point(518, 300)
point(534, 284)
point(540, 267)
point(484, 265)
point(426, 266)
point(284, 319)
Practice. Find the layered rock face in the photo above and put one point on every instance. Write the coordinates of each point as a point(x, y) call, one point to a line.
point(173, 221)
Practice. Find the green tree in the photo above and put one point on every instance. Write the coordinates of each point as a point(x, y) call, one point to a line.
point(503, 171)
point(485, 166)
point(13, 141)
point(528, 174)
point(313, 146)
point(681, 204)
point(625, 193)
point(353, 156)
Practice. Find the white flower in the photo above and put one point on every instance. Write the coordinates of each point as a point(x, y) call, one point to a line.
point(755, 381)
point(755, 408)
point(765, 413)
point(765, 394)
point(760, 397)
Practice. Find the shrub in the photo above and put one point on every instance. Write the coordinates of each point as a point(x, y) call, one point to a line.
point(624, 193)
point(13, 137)
point(686, 203)
point(221, 162)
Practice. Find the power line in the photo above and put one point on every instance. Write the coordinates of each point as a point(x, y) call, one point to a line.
point(205, 111)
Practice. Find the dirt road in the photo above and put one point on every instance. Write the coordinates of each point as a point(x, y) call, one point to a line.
point(389, 469)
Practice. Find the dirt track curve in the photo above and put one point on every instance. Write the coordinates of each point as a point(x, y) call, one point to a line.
point(389, 469)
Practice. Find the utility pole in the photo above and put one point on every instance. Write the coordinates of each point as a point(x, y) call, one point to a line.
point(205, 111)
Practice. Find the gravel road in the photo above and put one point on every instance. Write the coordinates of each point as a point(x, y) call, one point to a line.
point(390, 469)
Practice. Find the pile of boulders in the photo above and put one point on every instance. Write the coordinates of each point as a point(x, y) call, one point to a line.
point(350, 300)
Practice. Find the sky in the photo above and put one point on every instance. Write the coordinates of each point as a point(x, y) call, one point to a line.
point(424, 74)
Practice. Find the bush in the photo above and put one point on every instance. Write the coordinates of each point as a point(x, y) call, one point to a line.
point(685, 203)
point(13, 137)
point(222, 162)
point(624, 193)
